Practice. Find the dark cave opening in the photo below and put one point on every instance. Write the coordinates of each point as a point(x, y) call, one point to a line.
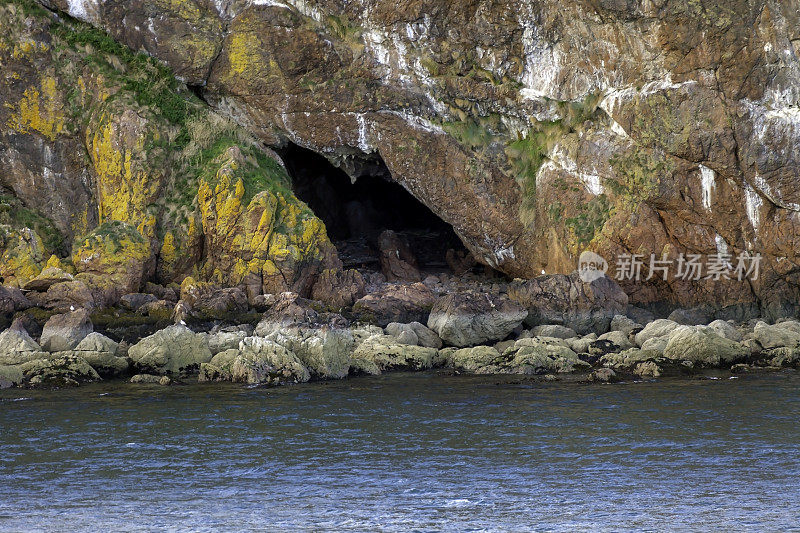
point(357, 213)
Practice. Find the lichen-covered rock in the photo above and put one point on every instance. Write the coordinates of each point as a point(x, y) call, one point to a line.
point(64, 332)
point(48, 277)
point(325, 352)
point(657, 328)
point(469, 319)
point(702, 346)
point(474, 359)
point(17, 347)
point(619, 338)
point(150, 379)
point(175, 350)
point(64, 370)
point(134, 301)
point(113, 260)
point(630, 359)
point(725, 329)
point(257, 361)
point(553, 330)
point(778, 335)
point(101, 354)
point(384, 353)
point(625, 324)
point(538, 355)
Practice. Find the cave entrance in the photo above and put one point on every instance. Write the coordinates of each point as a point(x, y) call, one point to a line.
point(356, 213)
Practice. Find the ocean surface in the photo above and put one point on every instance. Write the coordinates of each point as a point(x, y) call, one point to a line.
point(405, 452)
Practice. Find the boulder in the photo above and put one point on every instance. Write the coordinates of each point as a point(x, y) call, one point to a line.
point(207, 302)
point(541, 355)
point(257, 362)
point(64, 332)
point(657, 328)
point(629, 359)
point(47, 278)
point(553, 330)
point(101, 353)
point(475, 359)
point(619, 338)
point(603, 375)
point(224, 340)
point(656, 344)
point(781, 334)
point(324, 351)
point(566, 300)
point(397, 261)
point(725, 329)
point(625, 325)
point(175, 350)
point(648, 369)
point(134, 301)
point(12, 300)
point(425, 336)
point(696, 316)
point(581, 345)
point(701, 346)
point(62, 371)
point(11, 376)
point(403, 333)
point(383, 352)
point(17, 347)
point(159, 309)
point(471, 318)
point(64, 297)
point(150, 379)
point(395, 303)
point(338, 288)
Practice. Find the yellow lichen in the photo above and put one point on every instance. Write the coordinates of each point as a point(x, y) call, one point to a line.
point(40, 111)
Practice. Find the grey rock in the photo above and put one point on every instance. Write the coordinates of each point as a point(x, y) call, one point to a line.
point(625, 325)
point(175, 350)
point(17, 347)
point(553, 330)
point(657, 328)
point(469, 319)
point(64, 332)
point(700, 345)
point(778, 335)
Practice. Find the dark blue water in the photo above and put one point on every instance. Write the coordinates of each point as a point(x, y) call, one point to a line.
point(405, 452)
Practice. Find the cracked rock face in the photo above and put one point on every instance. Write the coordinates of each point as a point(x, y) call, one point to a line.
point(536, 129)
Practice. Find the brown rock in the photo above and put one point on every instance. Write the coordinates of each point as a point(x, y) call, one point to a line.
point(397, 261)
point(566, 300)
point(12, 300)
point(64, 297)
point(395, 303)
point(338, 288)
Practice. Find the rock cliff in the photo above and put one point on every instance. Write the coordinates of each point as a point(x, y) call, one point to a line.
point(537, 129)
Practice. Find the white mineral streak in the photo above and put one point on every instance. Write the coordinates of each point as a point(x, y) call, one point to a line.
point(560, 159)
point(721, 245)
point(753, 204)
point(417, 122)
point(707, 177)
point(542, 63)
point(82, 9)
point(363, 143)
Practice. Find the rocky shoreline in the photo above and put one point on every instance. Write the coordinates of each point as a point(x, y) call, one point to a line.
point(549, 326)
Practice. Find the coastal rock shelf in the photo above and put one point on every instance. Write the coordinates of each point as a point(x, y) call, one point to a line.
point(296, 340)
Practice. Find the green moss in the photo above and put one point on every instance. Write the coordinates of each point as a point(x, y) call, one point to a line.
point(592, 217)
point(151, 83)
point(13, 213)
point(31, 8)
point(113, 233)
point(638, 175)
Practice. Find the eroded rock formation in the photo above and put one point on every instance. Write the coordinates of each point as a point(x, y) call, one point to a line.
point(536, 129)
